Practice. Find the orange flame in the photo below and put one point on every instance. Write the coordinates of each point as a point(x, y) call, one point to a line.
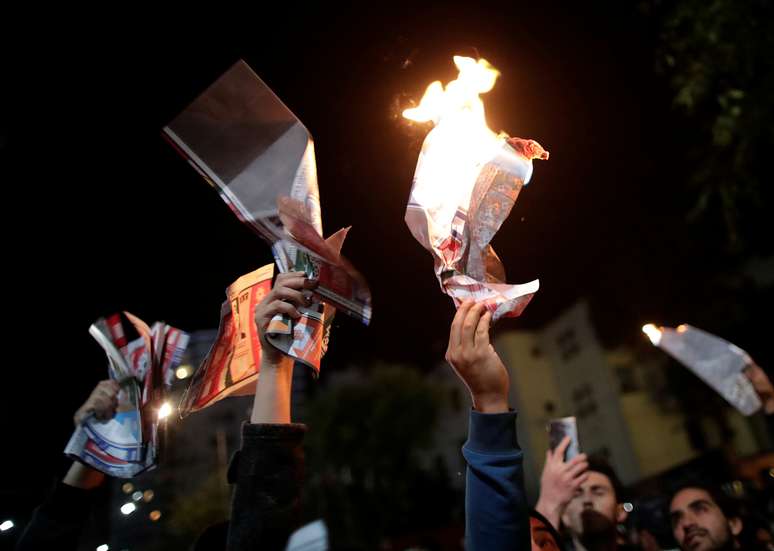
point(653, 333)
point(461, 94)
point(460, 132)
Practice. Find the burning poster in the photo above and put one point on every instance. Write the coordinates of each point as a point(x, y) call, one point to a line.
point(466, 181)
point(725, 367)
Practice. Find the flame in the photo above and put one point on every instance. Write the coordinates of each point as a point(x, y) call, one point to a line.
point(682, 328)
point(459, 96)
point(653, 333)
point(460, 131)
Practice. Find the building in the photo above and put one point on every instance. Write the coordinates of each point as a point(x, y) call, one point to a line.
point(621, 399)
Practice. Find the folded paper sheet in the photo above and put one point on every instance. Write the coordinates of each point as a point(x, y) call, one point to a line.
point(259, 156)
point(232, 365)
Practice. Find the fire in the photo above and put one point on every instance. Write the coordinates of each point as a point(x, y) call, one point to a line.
point(461, 138)
point(460, 95)
point(653, 333)
point(458, 112)
point(466, 182)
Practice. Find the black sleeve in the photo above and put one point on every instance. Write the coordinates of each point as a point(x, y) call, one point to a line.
point(267, 473)
point(58, 522)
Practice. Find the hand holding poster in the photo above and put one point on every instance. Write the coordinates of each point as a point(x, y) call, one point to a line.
point(141, 360)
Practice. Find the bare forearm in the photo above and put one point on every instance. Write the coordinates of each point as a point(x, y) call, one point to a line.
point(272, 393)
point(552, 512)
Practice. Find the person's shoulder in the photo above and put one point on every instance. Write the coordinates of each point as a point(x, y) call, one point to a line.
point(543, 532)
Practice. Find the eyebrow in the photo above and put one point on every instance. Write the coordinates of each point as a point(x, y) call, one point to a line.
point(697, 502)
point(674, 515)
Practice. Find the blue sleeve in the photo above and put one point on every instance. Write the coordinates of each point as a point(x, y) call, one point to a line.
point(496, 512)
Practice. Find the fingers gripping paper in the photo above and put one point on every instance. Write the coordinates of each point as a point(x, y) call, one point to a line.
point(232, 366)
point(142, 360)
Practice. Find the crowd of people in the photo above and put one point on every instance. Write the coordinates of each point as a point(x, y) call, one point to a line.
point(582, 504)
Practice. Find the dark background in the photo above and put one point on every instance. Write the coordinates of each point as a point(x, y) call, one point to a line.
point(100, 214)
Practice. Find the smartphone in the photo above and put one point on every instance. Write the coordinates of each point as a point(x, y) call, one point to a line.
point(558, 429)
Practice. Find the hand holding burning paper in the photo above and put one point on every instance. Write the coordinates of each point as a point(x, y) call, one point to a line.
point(728, 369)
point(465, 184)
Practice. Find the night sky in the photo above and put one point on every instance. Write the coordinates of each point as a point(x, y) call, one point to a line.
point(102, 214)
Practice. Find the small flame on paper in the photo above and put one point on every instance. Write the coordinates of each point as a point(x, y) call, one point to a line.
point(653, 333)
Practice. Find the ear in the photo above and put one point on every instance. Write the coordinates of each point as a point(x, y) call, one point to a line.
point(735, 524)
point(621, 514)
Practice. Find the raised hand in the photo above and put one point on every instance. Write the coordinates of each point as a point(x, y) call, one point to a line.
point(559, 481)
point(475, 360)
point(102, 402)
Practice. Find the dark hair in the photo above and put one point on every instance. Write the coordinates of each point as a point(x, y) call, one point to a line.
point(726, 504)
point(600, 465)
point(752, 522)
point(212, 538)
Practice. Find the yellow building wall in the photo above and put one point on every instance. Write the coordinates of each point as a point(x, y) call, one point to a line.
point(659, 438)
point(533, 383)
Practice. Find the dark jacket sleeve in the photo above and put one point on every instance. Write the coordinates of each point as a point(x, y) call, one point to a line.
point(496, 512)
point(58, 522)
point(267, 474)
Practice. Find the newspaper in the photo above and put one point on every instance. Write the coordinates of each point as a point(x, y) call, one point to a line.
point(716, 361)
point(127, 444)
point(232, 365)
point(458, 202)
point(255, 152)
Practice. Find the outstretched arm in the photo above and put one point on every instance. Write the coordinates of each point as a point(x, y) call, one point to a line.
point(58, 522)
point(496, 512)
point(268, 470)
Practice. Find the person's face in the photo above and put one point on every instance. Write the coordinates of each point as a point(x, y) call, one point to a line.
point(698, 524)
point(596, 497)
